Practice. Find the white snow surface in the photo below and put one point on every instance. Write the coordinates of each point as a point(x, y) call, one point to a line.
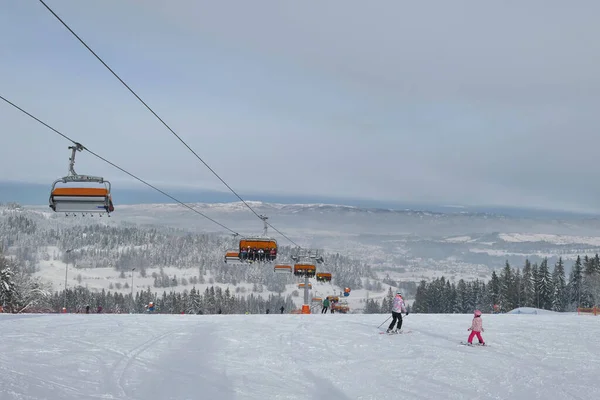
point(161, 357)
point(549, 238)
point(530, 310)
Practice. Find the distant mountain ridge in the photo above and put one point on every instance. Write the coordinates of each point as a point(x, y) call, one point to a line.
point(37, 194)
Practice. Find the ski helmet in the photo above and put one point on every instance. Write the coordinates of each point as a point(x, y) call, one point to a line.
point(477, 313)
point(398, 293)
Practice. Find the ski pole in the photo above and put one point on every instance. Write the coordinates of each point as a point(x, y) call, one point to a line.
point(385, 321)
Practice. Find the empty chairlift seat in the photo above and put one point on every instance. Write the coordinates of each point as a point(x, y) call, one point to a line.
point(283, 269)
point(232, 256)
point(81, 200)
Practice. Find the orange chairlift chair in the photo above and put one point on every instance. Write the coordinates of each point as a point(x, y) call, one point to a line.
point(81, 199)
point(258, 248)
point(305, 269)
point(324, 277)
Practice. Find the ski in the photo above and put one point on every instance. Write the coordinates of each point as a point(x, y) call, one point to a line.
point(474, 344)
point(394, 333)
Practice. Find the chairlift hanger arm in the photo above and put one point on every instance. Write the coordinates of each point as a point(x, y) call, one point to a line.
point(265, 225)
point(74, 150)
point(74, 176)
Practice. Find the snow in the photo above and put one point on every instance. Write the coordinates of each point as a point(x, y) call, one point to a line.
point(531, 311)
point(78, 356)
point(549, 238)
point(458, 239)
point(541, 254)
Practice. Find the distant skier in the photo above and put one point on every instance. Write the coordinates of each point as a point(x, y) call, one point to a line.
point(268, 310)
point(281, 309)
point(397, 308)
point(87, 309)
point(476, 328)
point(325, 306)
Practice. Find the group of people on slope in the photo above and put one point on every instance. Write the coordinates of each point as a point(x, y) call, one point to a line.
point(327, 304)
point(398, 307)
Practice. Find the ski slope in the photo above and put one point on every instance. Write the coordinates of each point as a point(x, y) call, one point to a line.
point(221, 357)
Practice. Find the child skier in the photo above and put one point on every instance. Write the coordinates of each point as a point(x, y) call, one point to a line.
point(397, 308)
point(476, 328)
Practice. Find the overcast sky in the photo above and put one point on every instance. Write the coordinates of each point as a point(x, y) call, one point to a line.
point(454, 102)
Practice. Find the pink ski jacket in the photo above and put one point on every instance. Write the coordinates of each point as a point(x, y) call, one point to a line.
point(398, 305)
point(477, 325)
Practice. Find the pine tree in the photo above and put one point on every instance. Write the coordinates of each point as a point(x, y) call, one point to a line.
point(372, 307)
point(7, 287)
point(528, 291)
point(388, 301)
point(590, 290)
point(575, 284)
point(545, 288)
point(559, 298)
point(421, 303)
point(494, 289)
point(536, 280)
point(462, 298)
point(508, 290)
point(450, 295)
point(518, 288)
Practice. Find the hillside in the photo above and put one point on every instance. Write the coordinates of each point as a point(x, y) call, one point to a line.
point(105, 250)
point(407, 244)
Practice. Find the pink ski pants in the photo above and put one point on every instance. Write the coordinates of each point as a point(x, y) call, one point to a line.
point(472, 335)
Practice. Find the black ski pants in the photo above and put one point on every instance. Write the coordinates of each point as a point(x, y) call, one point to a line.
point(396, 316)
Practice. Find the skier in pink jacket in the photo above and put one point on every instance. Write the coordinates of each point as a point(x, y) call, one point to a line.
point(476, 328)
point(397, 308)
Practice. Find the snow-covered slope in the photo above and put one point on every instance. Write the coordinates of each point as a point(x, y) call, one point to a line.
point(161, 357)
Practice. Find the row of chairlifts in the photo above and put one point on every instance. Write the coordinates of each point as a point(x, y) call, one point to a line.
point(81, 198)
point(261, 249)
point(304, 269)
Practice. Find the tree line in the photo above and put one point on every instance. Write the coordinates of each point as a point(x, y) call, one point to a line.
point(214, 300)
point(532, 285)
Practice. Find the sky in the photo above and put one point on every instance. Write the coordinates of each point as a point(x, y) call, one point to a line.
point(461, 102)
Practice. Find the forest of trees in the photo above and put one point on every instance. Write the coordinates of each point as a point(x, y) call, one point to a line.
point(129, 246)
point(95, 244)
point(532, 286)
point(21, 293)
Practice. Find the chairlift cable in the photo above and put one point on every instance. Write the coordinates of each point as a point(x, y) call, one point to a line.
point(115, 165)
point(161, 120)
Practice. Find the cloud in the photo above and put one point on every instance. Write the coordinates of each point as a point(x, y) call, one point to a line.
point(462, 102)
